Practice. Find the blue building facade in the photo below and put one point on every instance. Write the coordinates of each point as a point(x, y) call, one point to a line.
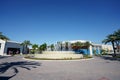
point(93, 48)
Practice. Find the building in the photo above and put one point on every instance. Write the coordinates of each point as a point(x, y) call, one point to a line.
point(93, 48)
point(10, 47)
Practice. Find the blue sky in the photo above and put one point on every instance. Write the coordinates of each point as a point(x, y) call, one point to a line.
point(58, 20)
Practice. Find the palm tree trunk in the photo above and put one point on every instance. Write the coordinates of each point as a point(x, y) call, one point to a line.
point(113, 49)
point(117, 45)
point(23, 50)
point(61, 47)
point(27, 49)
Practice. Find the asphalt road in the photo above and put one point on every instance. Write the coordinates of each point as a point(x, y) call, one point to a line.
point(17, 68)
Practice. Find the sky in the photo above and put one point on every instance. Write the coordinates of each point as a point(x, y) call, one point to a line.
point(49, 21)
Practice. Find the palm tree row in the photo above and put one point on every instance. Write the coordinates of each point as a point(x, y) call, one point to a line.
point(114, 39)
point(35, 47)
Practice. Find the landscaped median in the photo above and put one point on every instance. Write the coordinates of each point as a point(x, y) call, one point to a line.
point(58, 55)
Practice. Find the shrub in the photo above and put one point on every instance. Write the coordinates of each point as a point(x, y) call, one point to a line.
point(87, 56)
point(103, 52)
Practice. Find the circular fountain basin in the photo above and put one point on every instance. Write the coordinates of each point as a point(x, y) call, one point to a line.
point(59, 55)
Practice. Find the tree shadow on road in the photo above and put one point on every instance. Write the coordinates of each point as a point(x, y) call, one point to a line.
point(2, 57)
point(110, 58)
point(4, 67)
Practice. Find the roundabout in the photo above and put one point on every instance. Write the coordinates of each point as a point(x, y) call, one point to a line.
point(58, 55)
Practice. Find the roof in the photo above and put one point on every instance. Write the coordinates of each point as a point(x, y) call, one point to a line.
point(73, 41)
point(9, 41)
point(13, 42)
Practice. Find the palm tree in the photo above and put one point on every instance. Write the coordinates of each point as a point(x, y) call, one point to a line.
point(40, 49)
point(60, 45)
point(87, 45)
point(25, 45)
point(117, 41)
point(66, 46)
point(52, 47)
point(111, 38)
point(43, 47)
point(3, 37)
point(34, 47)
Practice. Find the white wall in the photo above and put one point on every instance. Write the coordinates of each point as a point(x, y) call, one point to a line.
point(107, 47)
point(2, 47)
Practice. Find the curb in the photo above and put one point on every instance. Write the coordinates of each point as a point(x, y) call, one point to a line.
point(59, 60)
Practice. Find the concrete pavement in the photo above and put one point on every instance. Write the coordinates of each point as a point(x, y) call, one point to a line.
point(16, 68)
